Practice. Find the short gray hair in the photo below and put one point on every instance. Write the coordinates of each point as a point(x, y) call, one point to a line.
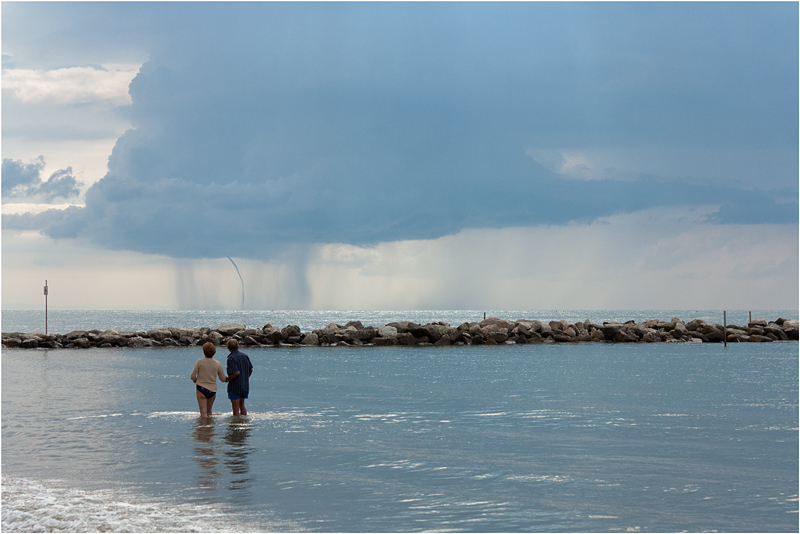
point(233, 344)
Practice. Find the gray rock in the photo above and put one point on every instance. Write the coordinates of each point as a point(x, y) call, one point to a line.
point(139, 342)
point(230, 329)
point(75, 334)
point(159, 334)
point(502, 323)
point(387, 332)
point(310, 339)
point(694, 324)
point(291, 330)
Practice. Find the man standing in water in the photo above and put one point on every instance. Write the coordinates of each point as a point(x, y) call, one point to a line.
point(239, 371)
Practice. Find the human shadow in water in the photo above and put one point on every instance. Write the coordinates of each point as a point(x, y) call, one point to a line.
point(237, 451)
point(205, 453)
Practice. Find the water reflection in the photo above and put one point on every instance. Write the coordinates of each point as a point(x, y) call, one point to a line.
point(237, 451)
point(205, 453)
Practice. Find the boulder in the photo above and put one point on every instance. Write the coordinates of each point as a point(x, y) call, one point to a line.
point(291, 330)
point(500, 336)
point(426, 331)
point(523, 329)
point(610, 330)
point(139, 342)
point(714, 334)
point(387, 332)
point(272, 334)
point(651, 336)
point(81, 342)
point(310, 339)
point(502, 323)
point(444, 341)
point(792, 328)
point(623, 336)
point(406, 338)
point(159, 334)
point(75, 334)
point(694, 324)
point(401, 326)
point(249, 341)
point(230, 329)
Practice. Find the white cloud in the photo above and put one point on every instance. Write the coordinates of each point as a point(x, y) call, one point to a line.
point(81, 276)
point(15, 208)
point(72, 85)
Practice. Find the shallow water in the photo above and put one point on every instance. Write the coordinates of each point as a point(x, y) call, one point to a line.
point(586, 437)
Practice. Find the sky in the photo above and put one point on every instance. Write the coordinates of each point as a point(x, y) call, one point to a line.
point(400, 155)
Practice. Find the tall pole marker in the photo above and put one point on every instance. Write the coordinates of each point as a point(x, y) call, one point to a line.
point(45, 306)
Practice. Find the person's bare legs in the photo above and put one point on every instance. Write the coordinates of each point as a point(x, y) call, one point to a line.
point(202, 404)
point(238, 407)
point(209, 404)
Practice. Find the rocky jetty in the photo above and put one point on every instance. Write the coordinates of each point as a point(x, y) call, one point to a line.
point(492, 331)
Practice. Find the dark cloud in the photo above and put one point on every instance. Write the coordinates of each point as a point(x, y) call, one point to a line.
point(271, 124)
point(23, 180)
point(17, 175)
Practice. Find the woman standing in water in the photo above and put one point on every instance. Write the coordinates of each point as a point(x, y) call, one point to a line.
point(205, 373)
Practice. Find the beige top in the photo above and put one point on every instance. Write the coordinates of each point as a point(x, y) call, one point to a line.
point(205, 373)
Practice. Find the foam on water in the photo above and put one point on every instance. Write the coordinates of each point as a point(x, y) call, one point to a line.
point(53, 506)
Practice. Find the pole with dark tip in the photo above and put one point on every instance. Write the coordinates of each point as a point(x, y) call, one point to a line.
point(725, 328)
point(45, 306)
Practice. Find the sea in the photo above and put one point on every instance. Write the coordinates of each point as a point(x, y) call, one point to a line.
point(585, 437)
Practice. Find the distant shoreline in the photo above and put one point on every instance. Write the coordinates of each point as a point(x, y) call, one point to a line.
point(491, 331)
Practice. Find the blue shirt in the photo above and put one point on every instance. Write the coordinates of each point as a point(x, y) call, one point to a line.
point(239, 361)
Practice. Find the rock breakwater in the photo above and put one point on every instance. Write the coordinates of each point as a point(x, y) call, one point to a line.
point(491, 331)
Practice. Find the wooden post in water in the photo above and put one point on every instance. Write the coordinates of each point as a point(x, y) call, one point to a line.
point(45, 306)
point(751, 318)
point(725, 328)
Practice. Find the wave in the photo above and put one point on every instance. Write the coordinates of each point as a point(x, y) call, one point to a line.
point(53, 506)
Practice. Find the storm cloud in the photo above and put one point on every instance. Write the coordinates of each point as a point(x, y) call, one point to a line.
point(23, 181)
point(260, 126)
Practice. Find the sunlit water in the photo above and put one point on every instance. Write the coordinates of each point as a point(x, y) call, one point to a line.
point(63, 321)
point(585, 437)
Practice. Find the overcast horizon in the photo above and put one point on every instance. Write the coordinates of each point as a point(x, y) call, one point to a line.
point(400, 156)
